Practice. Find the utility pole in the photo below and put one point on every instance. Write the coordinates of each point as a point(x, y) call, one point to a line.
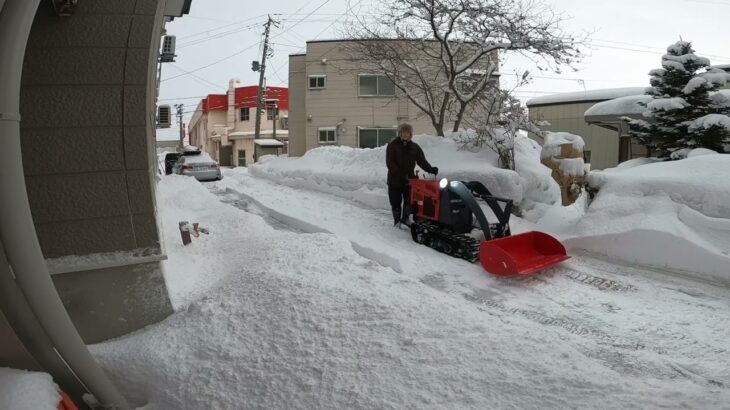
point(276, 109)
point(262, 70)
point(179, 108)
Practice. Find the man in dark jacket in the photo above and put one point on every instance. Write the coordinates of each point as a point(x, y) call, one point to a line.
point(401, 157)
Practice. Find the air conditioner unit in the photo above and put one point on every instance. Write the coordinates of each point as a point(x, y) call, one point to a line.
point(167, 54)
point(284, 123)
point(164, 116)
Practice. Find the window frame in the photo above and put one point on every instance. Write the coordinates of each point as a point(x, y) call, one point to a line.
point(377, 136)
point(248, 114)
point(377, 85)
point(270, 110)
point(323, 77)
point(327, 129)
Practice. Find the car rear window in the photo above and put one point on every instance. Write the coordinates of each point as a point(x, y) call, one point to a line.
point(202, 158)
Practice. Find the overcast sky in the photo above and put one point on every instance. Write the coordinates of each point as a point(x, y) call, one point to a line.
point(219, 39)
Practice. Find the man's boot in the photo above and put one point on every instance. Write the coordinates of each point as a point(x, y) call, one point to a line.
point(396, 216)
point(406, 215)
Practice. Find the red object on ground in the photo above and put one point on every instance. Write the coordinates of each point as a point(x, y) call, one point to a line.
point(521, 254)
point(66, 402)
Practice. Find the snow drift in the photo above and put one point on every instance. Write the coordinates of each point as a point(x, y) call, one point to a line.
point(360, 174)
point(673, 215)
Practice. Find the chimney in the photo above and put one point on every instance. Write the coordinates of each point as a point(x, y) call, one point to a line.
point(231, 118)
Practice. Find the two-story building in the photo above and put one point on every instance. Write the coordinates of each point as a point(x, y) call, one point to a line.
point(333, 100)
point(224, 125)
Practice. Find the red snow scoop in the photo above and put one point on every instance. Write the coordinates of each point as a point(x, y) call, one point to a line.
point(444, 213)
point(521, 254)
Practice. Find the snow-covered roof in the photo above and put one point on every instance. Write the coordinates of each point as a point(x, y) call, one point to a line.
point(268, 143)
point(628, 105)
point(583, 96)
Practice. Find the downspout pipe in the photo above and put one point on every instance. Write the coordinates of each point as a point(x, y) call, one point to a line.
point(17, 231)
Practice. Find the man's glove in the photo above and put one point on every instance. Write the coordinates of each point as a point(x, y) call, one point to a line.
point(435, 170)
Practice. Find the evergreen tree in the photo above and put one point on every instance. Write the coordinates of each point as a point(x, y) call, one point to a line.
point(676, 115)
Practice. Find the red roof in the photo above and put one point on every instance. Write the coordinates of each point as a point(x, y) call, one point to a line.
point(246, 97)
point(215, 102)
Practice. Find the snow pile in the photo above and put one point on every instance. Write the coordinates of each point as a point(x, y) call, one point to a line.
point(540, 191)
point(24, 390)
point(360, 174)
point(572, 166)
point(697, 152)
point(301, 321)
point(673, 214)
point(554, 140)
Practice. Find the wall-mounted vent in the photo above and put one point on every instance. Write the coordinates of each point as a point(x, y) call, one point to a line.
point(164, 116)
point(167, 54)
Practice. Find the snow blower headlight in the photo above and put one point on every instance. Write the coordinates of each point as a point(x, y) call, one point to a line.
point(443, 183)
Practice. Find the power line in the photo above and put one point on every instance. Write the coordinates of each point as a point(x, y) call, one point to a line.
point(218, 35)
point(663, 50)
point(213, 63)
point(222, 27)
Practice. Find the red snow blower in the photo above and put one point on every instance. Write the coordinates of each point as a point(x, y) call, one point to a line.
point(443, 219)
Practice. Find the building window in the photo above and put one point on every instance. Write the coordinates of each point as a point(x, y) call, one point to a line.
point(245, 114)
point(376, 85)
point(270, 112)
point(375, 137)
point(327, 135)
point(317, 81)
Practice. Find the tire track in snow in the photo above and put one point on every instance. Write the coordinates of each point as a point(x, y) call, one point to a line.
point(554, 291)
point(298, 225)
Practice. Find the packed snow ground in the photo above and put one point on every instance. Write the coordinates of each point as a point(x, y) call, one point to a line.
point(301, 299)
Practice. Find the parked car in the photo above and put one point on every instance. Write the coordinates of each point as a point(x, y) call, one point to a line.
point(170, 158)
point(198, 164)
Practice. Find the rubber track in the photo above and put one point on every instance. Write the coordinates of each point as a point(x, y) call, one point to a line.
point(463, 247)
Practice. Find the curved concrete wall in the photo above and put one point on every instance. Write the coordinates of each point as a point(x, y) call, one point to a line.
point(88, 131)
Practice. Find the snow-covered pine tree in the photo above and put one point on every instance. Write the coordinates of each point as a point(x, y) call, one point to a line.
point(682, 101)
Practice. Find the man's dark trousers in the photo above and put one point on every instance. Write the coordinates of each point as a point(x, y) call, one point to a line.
point(398, 197)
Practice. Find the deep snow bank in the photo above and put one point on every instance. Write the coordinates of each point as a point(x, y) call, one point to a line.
point(672, 214)
point(360, 174)
point(23, 390)
point(301, 321)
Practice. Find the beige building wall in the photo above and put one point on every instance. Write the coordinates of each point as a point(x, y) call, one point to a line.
point(208, 129)
point(243, 144)
point(297, 104)
point(601, 144)
point(339, 103)
point(88, 139)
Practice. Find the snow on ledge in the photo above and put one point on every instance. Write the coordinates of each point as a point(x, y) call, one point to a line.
point(553, 141)
point(78, 263)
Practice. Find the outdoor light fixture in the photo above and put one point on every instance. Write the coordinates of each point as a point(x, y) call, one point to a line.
point(64, 8)
point(443, 183)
